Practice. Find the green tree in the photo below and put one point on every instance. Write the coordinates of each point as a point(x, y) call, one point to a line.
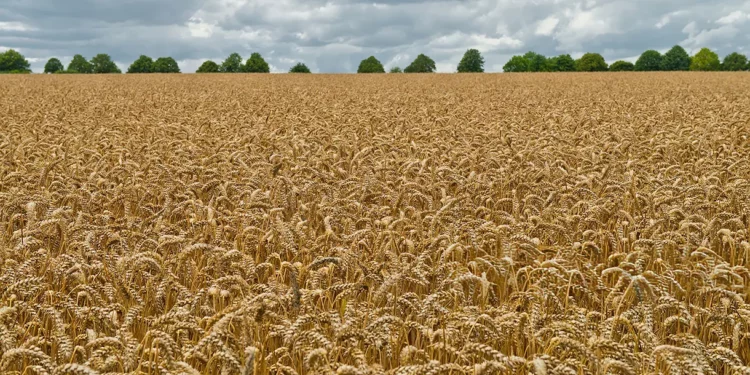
point(562, 63)
point(621, 66)
point(705, 60)
point(591, 62)
point(370, 65)
point(233, 64)
point(53, 65)
point(550, 65)
point(649, 61)
point(472, 62)
point(422, 64)
point(256, 64)
point(80, 65)
point(516, 64)
point(299, 68)
point(103, 64)
point(208, 67)
point(12, 61)
point(536, 62)
point(144, 64)
point(166, 65)
point(734, 62)
point(565, 63)
point(395, 69)
point(675, 59)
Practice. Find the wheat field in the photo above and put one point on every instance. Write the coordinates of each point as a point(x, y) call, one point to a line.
point(398, 224)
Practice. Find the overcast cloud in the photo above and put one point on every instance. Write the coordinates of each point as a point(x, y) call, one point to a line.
point(334, 35)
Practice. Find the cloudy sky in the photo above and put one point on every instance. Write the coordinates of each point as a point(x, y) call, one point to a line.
point(334, 35)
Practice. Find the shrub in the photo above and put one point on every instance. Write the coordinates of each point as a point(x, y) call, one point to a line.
point(422, 64)
point(208, 67)
point(53, 65)
point(675, 59)
point(621, 66)
point(370, 65)
point(144, 64)
point(472, 62)
point(299, 68)
point(12, 61)
point(79, 65)
point(166, 65)
point(536, 62)
point(705, 60)
point(734, 62)
point(591, 62)
point(233, 64)
point(103, 64)
point(516, 64)
point(256, 64)
point(649, 61)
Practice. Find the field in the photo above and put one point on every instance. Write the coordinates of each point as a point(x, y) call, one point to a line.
point(398, 224)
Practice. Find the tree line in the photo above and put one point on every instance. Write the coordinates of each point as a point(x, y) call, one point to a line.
point(675, 59)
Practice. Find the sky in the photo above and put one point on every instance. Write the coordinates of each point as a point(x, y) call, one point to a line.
point(333, 36)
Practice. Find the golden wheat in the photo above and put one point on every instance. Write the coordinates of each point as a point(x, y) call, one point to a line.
point(441, 224)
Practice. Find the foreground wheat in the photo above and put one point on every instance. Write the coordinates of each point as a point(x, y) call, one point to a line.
point(495, 224)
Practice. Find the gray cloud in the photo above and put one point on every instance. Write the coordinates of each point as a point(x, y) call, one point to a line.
point(334, 35)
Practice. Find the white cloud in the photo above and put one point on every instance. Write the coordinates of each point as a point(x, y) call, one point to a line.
point(199, 29)
point(691, 28)
point(459, 41)
point(590, 24)
point(664, 21)
point(14, 26)
point(667, 18)
point(547, 26)
point(712, 38)
point(585, 25)
point(735, 17)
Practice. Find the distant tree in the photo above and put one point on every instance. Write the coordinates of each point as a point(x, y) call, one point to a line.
point(705, 60)
point(395, 69)
point(12, 61)
point(80, 65)
point(516, 64)
point(166, 65)
point(562, 63)
point(550, 65)
point(536, 62)
point(299, 68)
point(565, 63)
point(256, 64)
point(143, 64)
point(53, 65)
point(370, 65)
point(422, 64)
point(233, 64)
point(472, 62)
point(649, 61)
point(734, 62)
point(208, 67)
point(621, 66)
point(675, 59)
point(103, 64)
point(591, 62)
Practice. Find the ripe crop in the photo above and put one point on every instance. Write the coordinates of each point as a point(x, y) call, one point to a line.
point(400, 224)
